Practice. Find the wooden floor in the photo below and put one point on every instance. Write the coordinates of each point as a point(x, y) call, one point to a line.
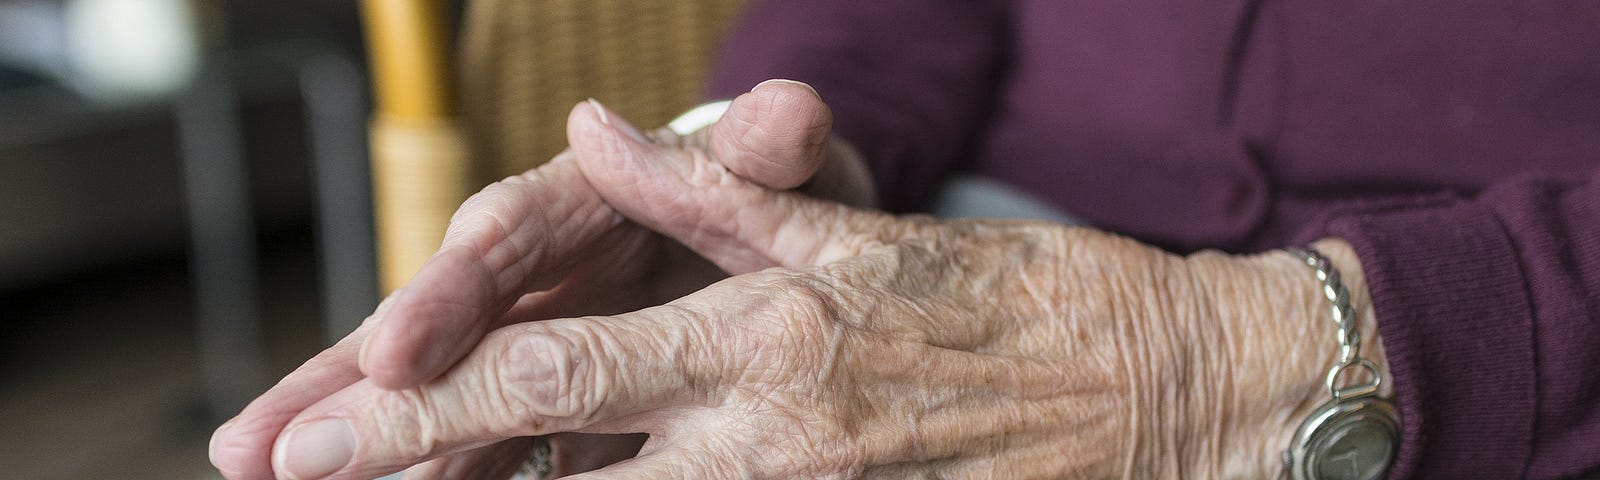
point(99, 375)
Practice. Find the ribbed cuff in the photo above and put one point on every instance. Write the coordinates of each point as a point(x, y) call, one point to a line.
point(1453, 309)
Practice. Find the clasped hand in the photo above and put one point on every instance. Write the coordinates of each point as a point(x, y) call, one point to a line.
point(696, 289)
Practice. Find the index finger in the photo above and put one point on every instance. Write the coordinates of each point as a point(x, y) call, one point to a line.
point(457, 296)
point(516, 236)
point(240, 448)
point(739, 224)
point(596, 374)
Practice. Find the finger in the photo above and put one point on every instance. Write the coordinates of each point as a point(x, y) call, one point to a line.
point(592, 374)
point(515, 236)
point(495, 462)
point(740, 226)
point(242, 448)
point(775, 135)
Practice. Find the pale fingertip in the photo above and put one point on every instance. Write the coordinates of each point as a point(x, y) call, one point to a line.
point(238, 453)
point(211, 447)
point(390, 367)
point(394, 358)
point(381, 371)
point(375, 323)
point(617, 123)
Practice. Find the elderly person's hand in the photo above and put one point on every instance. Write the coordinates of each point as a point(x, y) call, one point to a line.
point(545, 245)
point(876, 347)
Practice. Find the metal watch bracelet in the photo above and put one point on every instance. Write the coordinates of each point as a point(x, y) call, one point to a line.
point(1355, 434)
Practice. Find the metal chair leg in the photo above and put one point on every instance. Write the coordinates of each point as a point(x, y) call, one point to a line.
point(222, 241)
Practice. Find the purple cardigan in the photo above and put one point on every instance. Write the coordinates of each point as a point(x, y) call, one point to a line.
point(1454, 143)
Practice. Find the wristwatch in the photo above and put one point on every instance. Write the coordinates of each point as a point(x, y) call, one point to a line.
point(1355, 434)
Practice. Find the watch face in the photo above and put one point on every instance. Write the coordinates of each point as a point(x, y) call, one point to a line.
point(1354, 447)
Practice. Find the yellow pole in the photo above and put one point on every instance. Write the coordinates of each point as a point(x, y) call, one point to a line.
point(420, 169)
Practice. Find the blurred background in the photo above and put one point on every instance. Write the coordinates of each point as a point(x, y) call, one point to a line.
point(198, 195)
point(175, 177)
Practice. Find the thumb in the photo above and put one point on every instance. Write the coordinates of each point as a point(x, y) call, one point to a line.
point(775, 135)
point(685, 194)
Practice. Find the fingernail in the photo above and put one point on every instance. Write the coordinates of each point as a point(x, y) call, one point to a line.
point(781, 81)
point(619, 123)
point(211, 450)
point(317, 449)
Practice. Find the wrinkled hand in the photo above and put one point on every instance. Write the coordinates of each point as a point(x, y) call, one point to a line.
point(546, 245)
point(877, 347)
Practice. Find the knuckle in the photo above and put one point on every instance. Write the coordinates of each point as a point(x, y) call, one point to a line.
point(794, 302)
point(809, 301)
point(787, 332)
point(548, 376)
point(433, 422)
point(486, 214)
point(492, 196)
point(792, 341)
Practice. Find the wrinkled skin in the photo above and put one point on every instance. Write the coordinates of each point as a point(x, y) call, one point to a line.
point(848, 344)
